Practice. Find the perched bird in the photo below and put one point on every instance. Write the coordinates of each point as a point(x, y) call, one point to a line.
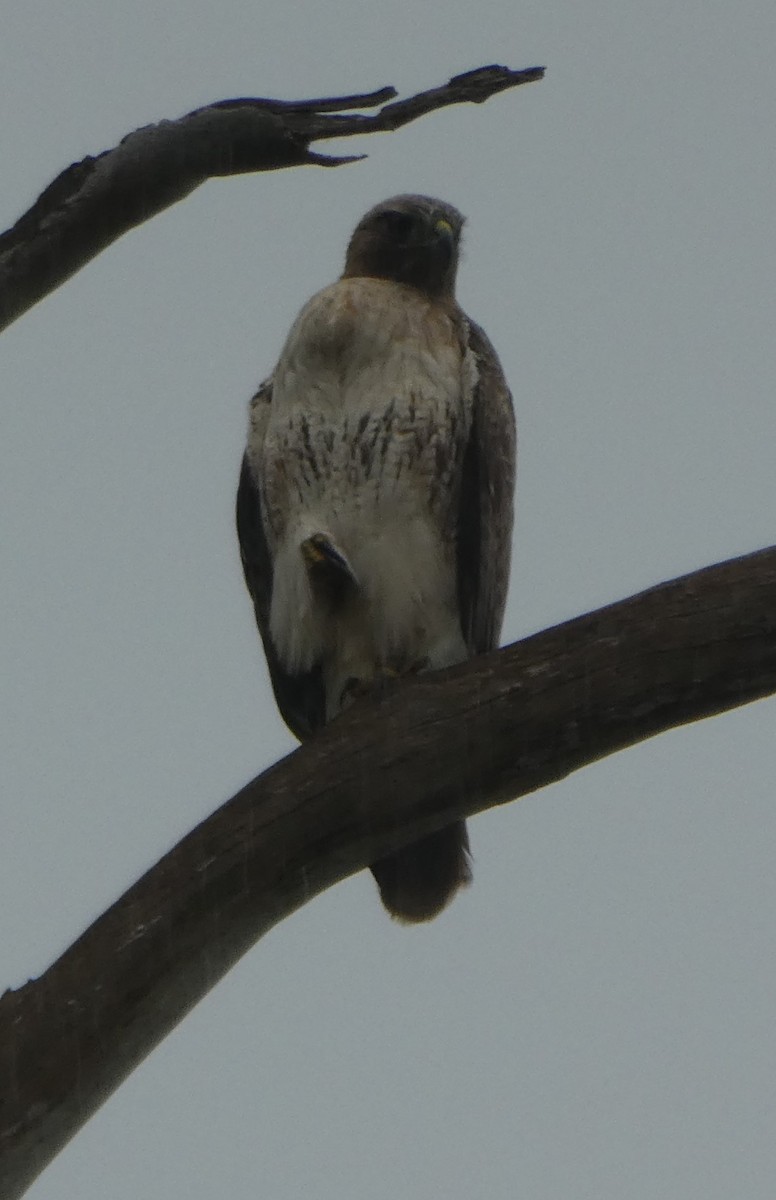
point(374, 510)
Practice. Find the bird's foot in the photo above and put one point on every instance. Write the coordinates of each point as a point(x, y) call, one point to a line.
point(381, 683)
point(422, 664)
point(400, 670)
point(328, 568)
point(355, 689)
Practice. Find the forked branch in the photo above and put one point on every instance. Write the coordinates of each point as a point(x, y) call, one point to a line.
point(95, 201)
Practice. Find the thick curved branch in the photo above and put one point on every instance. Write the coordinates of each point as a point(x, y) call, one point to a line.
point(440, 746)
point(98, 199)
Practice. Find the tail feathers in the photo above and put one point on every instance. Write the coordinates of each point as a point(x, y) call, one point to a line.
point(419, 881)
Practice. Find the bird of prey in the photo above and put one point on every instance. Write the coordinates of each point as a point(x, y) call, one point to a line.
point(374, 510)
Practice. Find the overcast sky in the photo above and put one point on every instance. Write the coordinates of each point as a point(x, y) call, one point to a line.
point(595, 1017)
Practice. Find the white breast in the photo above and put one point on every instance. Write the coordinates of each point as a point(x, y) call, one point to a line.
point(371, 411)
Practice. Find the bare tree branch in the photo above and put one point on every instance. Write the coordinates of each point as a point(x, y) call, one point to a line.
point(389, 770)
point(95, 201)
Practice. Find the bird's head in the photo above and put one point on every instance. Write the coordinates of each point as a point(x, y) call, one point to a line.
point(410, 239)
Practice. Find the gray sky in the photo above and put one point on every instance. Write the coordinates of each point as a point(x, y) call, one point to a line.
point(595, 1017)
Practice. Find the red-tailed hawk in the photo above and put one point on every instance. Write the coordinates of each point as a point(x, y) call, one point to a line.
point(375, 503)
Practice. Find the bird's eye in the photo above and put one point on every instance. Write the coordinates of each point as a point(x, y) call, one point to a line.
point(398, 224)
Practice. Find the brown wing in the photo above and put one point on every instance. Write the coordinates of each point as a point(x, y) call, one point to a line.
point(300, 698)
point(487, 494)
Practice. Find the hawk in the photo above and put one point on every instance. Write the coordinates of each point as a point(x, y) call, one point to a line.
point(374, 510)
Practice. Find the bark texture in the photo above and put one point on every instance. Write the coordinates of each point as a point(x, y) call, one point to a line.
point(95, 201)
point(437, 748)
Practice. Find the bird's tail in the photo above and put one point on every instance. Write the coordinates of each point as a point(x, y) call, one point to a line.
point(417, 882)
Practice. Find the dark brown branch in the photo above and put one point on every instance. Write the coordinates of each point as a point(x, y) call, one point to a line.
point(439, 747)
point(98, 199)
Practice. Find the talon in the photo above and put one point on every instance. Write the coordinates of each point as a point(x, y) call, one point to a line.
point(319, 551)
point(380, 684)
point(329, 570)
point(355, 689)
point(312, 551)
point(400, 672)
